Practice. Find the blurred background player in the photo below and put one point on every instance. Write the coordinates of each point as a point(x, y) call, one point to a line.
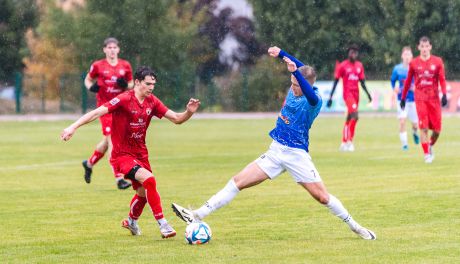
point(288, 151)
point(399, 75)
point(107, 78)
point(428, 73)
point(132, 112)
point(351, 71)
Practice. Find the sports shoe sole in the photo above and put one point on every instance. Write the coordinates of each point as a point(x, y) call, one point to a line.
point(168, 235)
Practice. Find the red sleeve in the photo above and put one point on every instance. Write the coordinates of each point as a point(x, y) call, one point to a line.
point(117, 102)
point(408, 81)
point(442, 77)
point(361, 72)
point(159, 109)
point(93, 71)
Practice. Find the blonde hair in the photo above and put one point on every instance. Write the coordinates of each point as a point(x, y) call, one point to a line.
point(308, 73)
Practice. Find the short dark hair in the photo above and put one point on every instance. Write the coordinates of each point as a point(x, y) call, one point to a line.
point(109, 40)
point(144, 71)
point(353, 47)
point(425, 39)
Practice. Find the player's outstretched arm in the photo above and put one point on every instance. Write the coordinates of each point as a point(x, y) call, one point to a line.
point(179, 118)
point(68, 132)
point(307, 89)
point(363, 85)
point(277, 52)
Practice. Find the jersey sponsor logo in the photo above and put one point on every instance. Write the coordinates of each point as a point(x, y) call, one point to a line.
point(113, 90)
point(353, 77)
point(114, 101)
point(148, 111)
point(136, 135)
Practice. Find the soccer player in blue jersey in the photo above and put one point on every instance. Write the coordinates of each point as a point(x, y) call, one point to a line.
point(288, 151)
point(399, 75)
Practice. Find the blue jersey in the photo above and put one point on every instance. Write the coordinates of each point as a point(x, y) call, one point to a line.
point(399, 74)
point(295, 120)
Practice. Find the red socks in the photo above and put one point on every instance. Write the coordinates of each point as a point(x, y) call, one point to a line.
point(345, 132)
point(95, 157)
point(137, 206)
point(153, 197)
point(352, 125)
point(425, 147)
point(348, 132)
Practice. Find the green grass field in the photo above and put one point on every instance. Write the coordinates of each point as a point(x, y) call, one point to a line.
point(50, 215)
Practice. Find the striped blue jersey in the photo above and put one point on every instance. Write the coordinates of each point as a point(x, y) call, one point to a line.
point(400, 74)
point(295, 120)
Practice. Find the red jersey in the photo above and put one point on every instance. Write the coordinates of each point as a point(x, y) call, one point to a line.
point(106, 76)
point(351, 73)
point(130, 120)
point(428, 75)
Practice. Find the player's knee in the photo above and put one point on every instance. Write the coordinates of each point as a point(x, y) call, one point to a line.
point(353, 115)
point(323, 198)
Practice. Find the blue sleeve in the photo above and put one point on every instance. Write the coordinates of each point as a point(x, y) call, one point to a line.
point(394, 77)
point(292, 58)
point(307, 90)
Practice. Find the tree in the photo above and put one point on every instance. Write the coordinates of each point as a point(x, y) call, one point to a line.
point(15, 18)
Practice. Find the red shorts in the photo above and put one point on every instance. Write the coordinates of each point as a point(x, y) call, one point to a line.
point(352, 104)
point(123, 165)
point(429, 114)
point(106, 122)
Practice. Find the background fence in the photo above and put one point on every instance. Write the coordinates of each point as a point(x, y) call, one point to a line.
point(32, 94)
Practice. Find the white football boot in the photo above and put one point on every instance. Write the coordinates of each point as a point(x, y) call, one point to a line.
point(343, 147)
point(364, 233)
point(183, 213)
point(167, 231)
point(350, 146)
point(131, 226)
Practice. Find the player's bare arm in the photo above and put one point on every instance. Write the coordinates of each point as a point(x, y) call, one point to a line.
point(68, 132)
point(179, 118)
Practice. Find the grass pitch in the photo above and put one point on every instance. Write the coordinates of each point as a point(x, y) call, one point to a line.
point(50, 215)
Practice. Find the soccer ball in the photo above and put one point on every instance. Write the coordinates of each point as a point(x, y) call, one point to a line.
point(198, 233)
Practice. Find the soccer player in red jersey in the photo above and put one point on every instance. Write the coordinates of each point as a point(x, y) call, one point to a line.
point(131, 113)
point(351, 71)
point(428, 73)
point(107, 78)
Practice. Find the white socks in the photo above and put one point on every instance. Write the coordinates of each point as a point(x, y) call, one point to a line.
point(403, 138)
point(337, 209)
point(222, 198)
point(162, 221)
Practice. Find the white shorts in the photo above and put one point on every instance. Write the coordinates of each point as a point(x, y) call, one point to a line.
point(410, 111)
point(297, 162)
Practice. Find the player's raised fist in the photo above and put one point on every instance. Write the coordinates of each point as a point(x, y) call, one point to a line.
point(193, 105)
point(290, 64)
point(122, 83)
point(274, 51)
point(67, 133)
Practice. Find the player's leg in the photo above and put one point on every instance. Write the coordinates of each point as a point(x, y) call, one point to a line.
point(135, 210)
point(98, 153)
point(353, 121)
point(300, 165)
point(423, 124)
point(250, 176)
point(412, 116)
point(146, 178)
point(265, 167)
point(402, 115)
point(350, 124)
point(121, 183)
point(318, 191)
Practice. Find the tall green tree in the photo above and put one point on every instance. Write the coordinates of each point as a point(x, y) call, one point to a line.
point(15, 18)
point(319, 31)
